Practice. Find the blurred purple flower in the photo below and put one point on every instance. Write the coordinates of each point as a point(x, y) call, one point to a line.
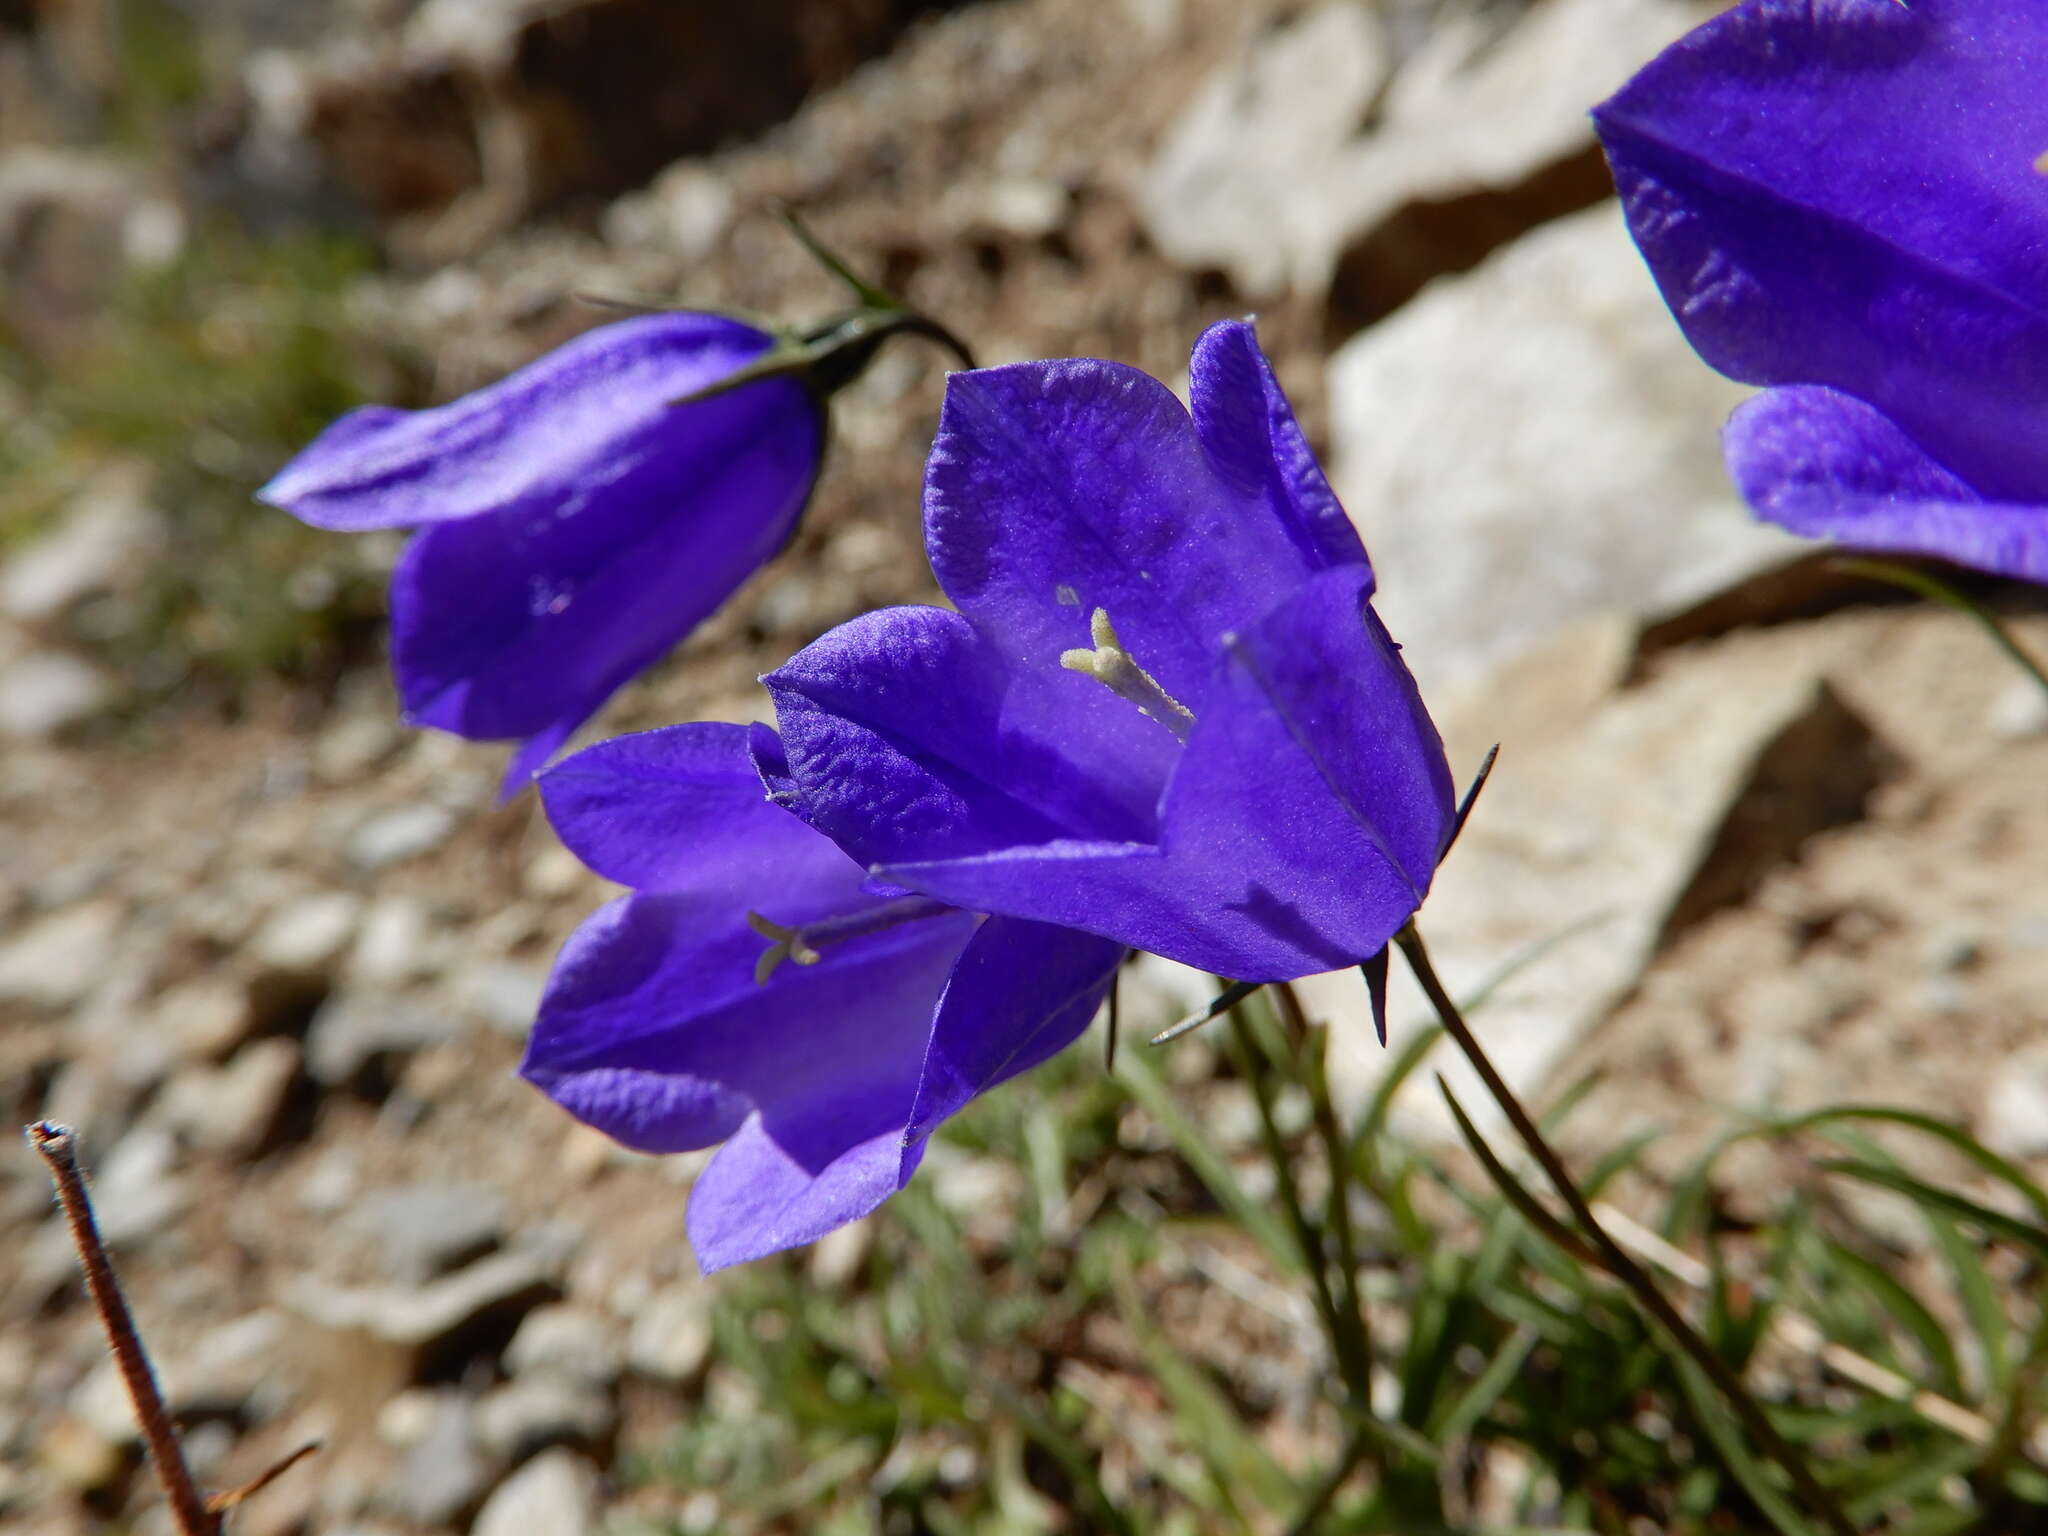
point(1164, 711)
point(574, 522)
point(1846, 200)
point(669, 1024)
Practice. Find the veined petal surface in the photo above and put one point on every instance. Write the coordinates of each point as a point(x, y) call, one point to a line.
point(507, 623)
point(1058, 488)
point(1827, 465)
point(1301, 828)
point(595, 413)
point(1845, 193)
point(655, 1030)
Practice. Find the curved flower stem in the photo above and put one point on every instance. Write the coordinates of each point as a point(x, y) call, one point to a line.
point(1349, 1366)
point(1934, 589)
point(58, 1148)
point(1613, 1257)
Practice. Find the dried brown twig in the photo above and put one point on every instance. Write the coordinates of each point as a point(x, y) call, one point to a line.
point(193, 1513)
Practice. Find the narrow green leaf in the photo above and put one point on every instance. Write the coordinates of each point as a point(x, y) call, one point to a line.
point(1135, 1070)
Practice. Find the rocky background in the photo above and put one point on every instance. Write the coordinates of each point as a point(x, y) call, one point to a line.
point(1767, 838)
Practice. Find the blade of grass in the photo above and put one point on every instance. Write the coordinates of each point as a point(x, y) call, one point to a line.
point(1203, 1416)
point(1137, 1073)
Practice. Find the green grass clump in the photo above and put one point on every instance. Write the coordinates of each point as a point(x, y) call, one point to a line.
point(1098, 1344)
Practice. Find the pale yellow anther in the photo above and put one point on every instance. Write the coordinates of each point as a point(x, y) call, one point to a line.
point(1113, 667)
point(785, 944)
point(2041, 162)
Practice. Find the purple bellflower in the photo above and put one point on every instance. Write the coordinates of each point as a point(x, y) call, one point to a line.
point(1164, 711)
point(573, 521)
point(1847, 201)
point(756, 989)
point(1164, 716)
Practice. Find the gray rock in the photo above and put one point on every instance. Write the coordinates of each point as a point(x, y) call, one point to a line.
point(100, 1402)
point(219, 1376)
point(391, 945)
point(2014, 1118)
point(136, 1191)
point(684, 212)
point(445, 1473)
point(206, 1017)
point(557, 1492)
point(837, 1257)
point(439, 1324)
point(307, 936)
point(506, 995)
point(46, 693)
point(571, 1344)
point(1614, 822)
point(1227, 187)
point(96, 1093)
point(70, 223)
point(1268, 176)
point(233, 1110)
point(400, 833)
point(352, 746)
point(105, 543)
point(458, 122)
point(56, 961)
point(1564, 441)
point(358, 1033)
point(426, 1230)
point(671, 1337)
point(522, 1417)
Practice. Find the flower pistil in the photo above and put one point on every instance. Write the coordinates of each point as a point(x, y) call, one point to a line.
point(805, 944)
point(1115, 668)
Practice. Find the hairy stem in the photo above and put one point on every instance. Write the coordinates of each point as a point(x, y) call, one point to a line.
point(58, 1148)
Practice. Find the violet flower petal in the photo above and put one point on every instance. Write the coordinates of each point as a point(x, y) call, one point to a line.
point(575, 523)
point(1054, 489)
point(653, 1027)
point(1316, 869)
point(1257, 448)
point(1844, 192)
point(508, 624)
point(824, 1080)
point(1021, 993)
point(592, 415)
point(909, 735)
point(763, 1192)
point(680, 808)
point(654, 1031)
point(1826, 465)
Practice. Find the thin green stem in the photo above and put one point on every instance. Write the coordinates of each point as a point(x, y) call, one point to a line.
point(1613, 1257)
point(1313, 1047)
point(1934, 589)
point(2009, 1443)
point(1305, 1237)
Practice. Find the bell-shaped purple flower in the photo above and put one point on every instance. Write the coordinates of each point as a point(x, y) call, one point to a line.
point(1847, 200)
point(1163, 712)
point(757, 990)
point(574, 522)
